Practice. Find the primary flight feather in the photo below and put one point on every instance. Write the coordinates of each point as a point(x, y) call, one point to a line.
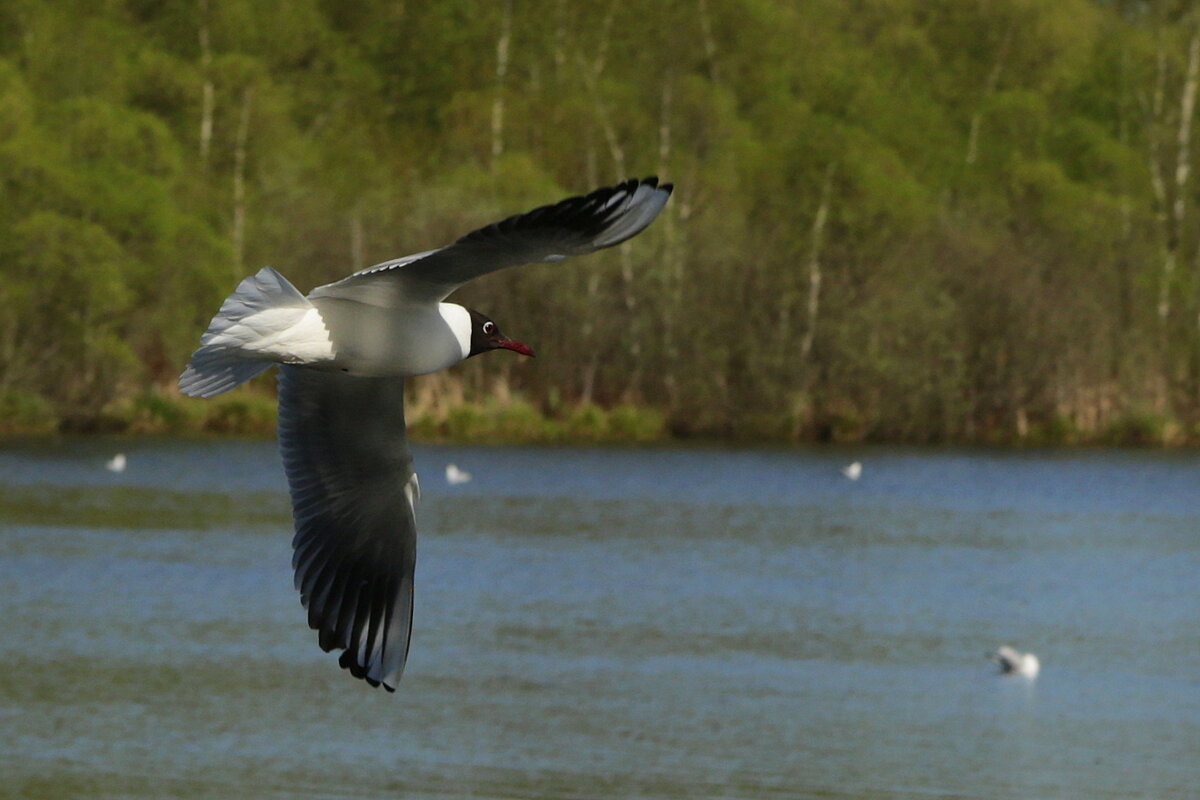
point(345, 350)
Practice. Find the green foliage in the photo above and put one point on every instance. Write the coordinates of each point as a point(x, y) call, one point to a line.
point(155, 412)
point(66, 295)
point(241, 413)
point(16, 103)
point(515, 420)
point(991, 262)
point(25, 412)
point(1140, 428)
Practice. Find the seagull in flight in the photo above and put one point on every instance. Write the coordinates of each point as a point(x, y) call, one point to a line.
point(344, 351)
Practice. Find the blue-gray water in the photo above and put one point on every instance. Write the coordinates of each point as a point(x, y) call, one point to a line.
point(609, 623)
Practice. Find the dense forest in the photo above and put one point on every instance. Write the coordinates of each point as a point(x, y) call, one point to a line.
point(896, 220)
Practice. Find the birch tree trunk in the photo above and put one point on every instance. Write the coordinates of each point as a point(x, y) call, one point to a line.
point(357, 240)
point(592, 292)
point(560, 41)
point(671, 299)
point(1158, 186)
point(1183, 169)
point(502, 44)
point(814, 266)
point(625, 249)
point(1172, 211)
point(1183, 161)
point(591, 82)
point(1172, 215)
point(1123, 264)
point(239, 183)
point(989, 89)
point(710, 44)
point(592, 365)
point(601, 59)
point(207, 92)
point(591, 79)
point(1187, 109)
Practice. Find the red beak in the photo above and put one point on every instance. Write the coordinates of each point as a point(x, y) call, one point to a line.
point(515, 346)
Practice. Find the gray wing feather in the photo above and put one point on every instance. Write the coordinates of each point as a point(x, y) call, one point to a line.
point(574, 226)
point(349, 469)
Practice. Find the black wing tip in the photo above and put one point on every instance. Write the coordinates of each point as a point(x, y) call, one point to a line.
point(632, 184)
point(594, 207)
point(589, 212)
point(349, 663)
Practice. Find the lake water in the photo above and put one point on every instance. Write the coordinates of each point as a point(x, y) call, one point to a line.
point(612, 623)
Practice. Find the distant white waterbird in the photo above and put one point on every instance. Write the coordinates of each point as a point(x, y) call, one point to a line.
point(853, 471)
point(116, 464)
point(455, 476)
point(345, 350)
point(1014, 662)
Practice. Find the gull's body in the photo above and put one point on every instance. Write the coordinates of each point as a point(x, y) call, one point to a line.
point(1014, 662)
point(373, 339)
point(345, 350)
point(455, 476)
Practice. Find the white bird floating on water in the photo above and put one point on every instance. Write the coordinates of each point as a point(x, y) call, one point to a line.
point(345, 350)
point(116, 463)
point(1014, 662)
point(853, 471)
point(455, 476)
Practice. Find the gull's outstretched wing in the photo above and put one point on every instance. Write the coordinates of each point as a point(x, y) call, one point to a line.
point(574, 226)
point(353, 490)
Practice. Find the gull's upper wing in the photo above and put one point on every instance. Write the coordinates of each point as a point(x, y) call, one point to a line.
point(353, 490)
point(571, 227)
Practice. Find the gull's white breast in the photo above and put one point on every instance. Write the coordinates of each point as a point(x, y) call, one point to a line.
point(400, 340)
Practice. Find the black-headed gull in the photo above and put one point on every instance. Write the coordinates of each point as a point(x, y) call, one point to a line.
point(1014, 662)
point(455, 476)
point(344, 352)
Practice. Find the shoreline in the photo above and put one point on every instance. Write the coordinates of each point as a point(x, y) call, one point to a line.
point(252, 413)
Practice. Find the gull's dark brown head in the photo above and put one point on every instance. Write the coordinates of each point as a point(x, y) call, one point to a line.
point(486, 335)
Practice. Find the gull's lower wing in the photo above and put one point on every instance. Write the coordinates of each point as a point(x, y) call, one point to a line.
point(349, 469)
point(574, 226)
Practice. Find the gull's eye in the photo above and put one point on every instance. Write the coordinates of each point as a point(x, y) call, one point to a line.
point(489, 327)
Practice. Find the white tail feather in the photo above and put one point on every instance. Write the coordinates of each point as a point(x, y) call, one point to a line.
point(265, 321)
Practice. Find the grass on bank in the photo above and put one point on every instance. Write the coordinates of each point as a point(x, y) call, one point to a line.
point(252, 412)
point(510, 419)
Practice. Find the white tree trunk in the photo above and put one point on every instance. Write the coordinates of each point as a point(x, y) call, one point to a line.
point(710, 44)
point(602, 46)
point(814, 265)
point(560, 41)
point(502, 44)
point(1187, 109)
point(1159, 186)
point(625, 249)
point(207, 92)
point(671, 300)
point(1171, 212)
point(989, 88)
point(357, 240)
point(592, 283)
point(1183, 160)
point(239, 183)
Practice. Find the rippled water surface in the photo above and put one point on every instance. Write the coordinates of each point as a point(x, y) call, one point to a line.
point(596, 623)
